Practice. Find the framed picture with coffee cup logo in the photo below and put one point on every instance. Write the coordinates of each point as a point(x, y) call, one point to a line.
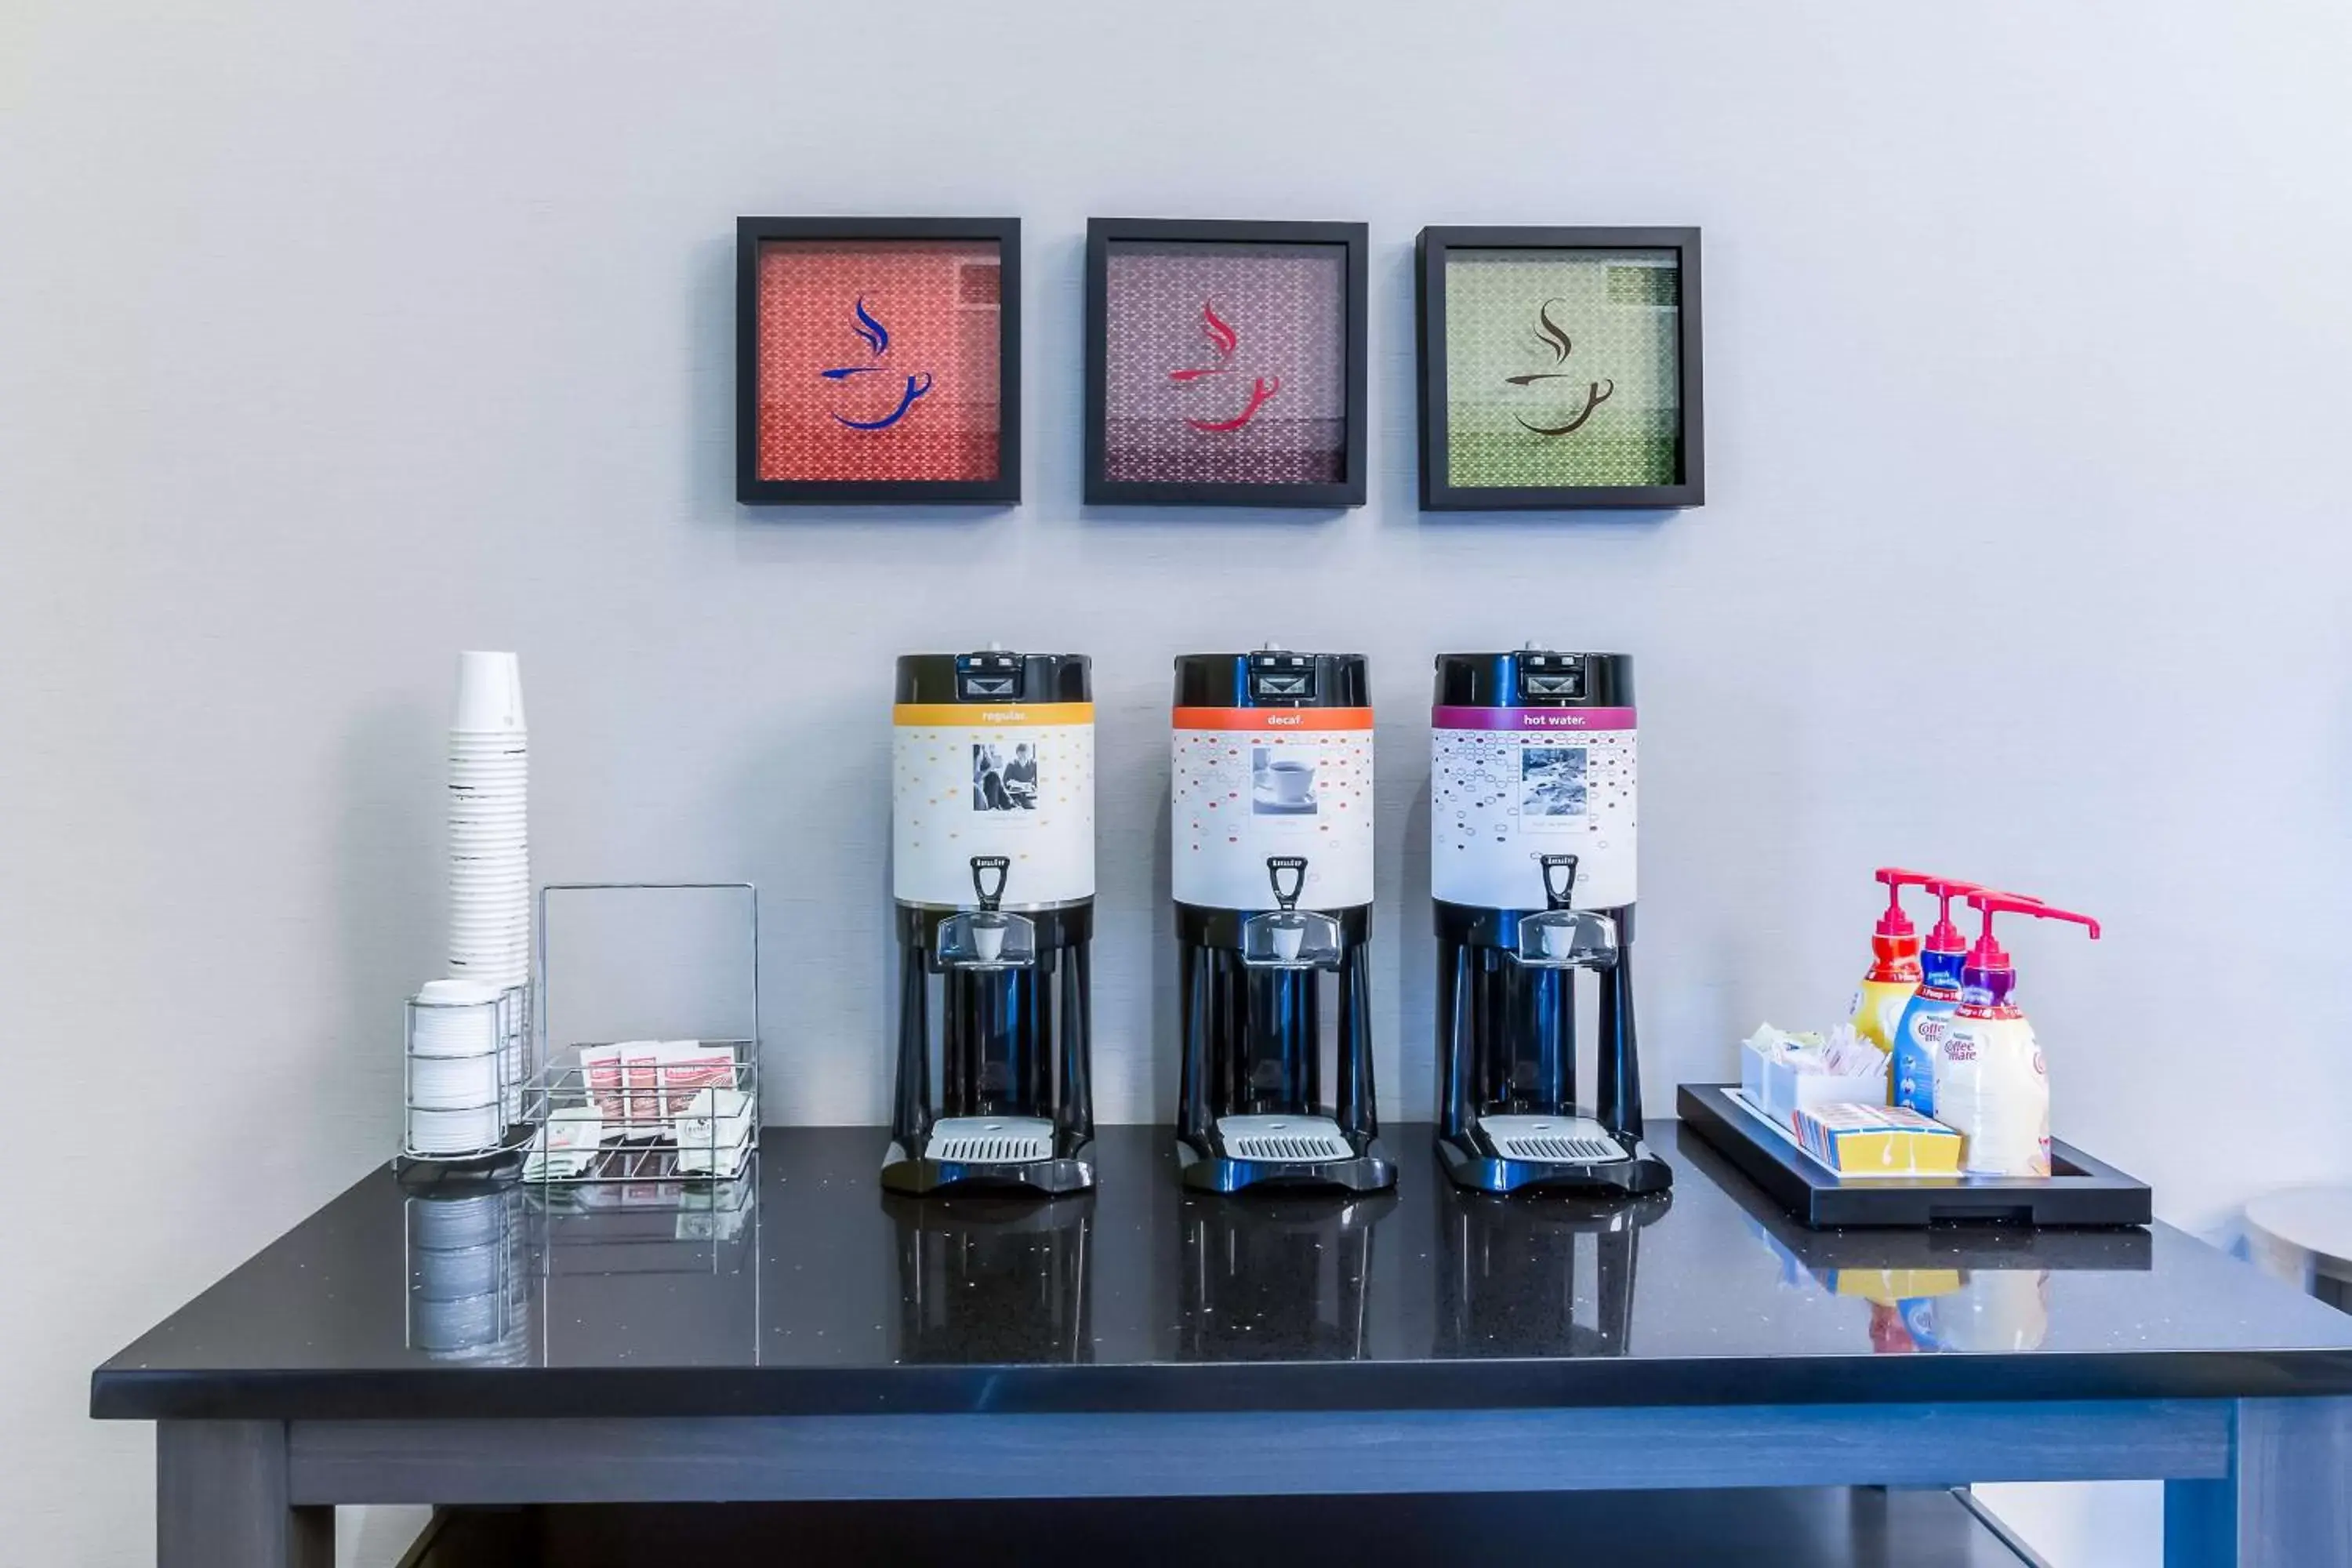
point(878, 359)
point(1560, 368)
point(1225, 362)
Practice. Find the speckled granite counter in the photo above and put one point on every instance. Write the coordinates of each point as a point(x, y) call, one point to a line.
point(1124, 1341)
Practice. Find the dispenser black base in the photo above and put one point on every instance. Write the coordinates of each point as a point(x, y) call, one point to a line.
point(1219, 1166)
point(922, 1171)
point(1478, 1159)
point(1251, 1111)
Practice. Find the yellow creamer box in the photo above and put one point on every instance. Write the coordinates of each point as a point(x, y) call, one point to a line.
point(1877, 1140)
point(1886, 1287)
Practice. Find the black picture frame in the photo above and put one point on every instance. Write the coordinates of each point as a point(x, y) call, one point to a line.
point(1101, 489)
point(1437, 494)
point(751, 490)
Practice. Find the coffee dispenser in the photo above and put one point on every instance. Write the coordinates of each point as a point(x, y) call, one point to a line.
point(1532, 817)
point(993, 852)
point(1272, 852)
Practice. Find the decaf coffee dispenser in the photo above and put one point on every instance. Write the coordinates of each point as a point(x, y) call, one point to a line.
point(1272, 852)
point(993, 849)
point(1532, 816)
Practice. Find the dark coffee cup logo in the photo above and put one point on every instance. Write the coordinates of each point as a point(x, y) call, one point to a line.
point(877, 339)
point(1554, 339)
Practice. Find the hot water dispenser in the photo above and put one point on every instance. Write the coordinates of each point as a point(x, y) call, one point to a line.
point(993, 852)
point(1272, 852)
point(1532, 817)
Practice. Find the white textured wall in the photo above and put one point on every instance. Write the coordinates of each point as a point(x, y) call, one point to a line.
point(334, 338)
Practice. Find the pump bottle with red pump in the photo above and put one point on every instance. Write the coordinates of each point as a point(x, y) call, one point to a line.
point(1992, 1086)
point(1893, 972)
point(1919, 1035)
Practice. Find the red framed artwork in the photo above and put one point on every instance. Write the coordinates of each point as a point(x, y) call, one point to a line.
point(878, 359)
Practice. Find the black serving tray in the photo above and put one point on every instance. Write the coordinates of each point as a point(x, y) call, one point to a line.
point(2080, 1191)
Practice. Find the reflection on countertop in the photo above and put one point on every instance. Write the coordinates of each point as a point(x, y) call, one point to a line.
point(1539, 1274)
point(1965, 1287)
point(1276, 1275)
point(987, 1279)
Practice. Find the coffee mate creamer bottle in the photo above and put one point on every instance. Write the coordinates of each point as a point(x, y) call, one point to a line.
point(1992, 1086)
point(1919, 1033)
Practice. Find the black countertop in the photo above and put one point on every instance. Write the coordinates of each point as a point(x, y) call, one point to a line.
point(811, 1293)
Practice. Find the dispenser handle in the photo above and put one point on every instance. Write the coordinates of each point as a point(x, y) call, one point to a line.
point(982, 865)
point(1989, 903)
point(1275, 865)
point(1558, 894)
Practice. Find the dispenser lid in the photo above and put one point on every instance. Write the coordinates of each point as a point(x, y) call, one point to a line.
point(1273, 677)
point(994, 677)
point(1535, 676)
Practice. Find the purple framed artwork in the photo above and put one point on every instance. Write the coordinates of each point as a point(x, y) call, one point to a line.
point(1225, 362)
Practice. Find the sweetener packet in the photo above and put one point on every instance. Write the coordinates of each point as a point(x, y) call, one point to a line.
point(688, 1068)
point(565, 1145)
point(600, 1073)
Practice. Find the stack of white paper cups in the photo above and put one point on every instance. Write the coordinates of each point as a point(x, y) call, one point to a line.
point(490, 839)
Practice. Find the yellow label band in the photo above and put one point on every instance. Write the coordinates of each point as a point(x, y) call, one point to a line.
point(973, 715)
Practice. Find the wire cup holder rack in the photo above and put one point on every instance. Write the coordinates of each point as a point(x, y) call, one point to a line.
point(464, 1077)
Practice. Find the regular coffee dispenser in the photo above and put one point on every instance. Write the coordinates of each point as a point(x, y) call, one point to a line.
point(992, 846)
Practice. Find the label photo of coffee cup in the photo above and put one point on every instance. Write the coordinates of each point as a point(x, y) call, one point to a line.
point(1281, 785)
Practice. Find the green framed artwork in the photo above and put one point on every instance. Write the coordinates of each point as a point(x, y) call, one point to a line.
point(1559, 368)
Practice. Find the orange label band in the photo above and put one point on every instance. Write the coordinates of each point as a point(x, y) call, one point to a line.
point(974, 715)
point(1274, 718)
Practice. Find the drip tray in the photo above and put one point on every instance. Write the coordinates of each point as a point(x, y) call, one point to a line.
point(1554, 1140)
point(1293, 1139)
point(991, 1140)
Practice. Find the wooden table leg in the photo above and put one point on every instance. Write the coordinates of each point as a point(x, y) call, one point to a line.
point(2287, 1501)
point(221, 1499)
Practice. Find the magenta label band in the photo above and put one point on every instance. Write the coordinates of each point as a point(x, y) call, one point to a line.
point(1527, 718)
